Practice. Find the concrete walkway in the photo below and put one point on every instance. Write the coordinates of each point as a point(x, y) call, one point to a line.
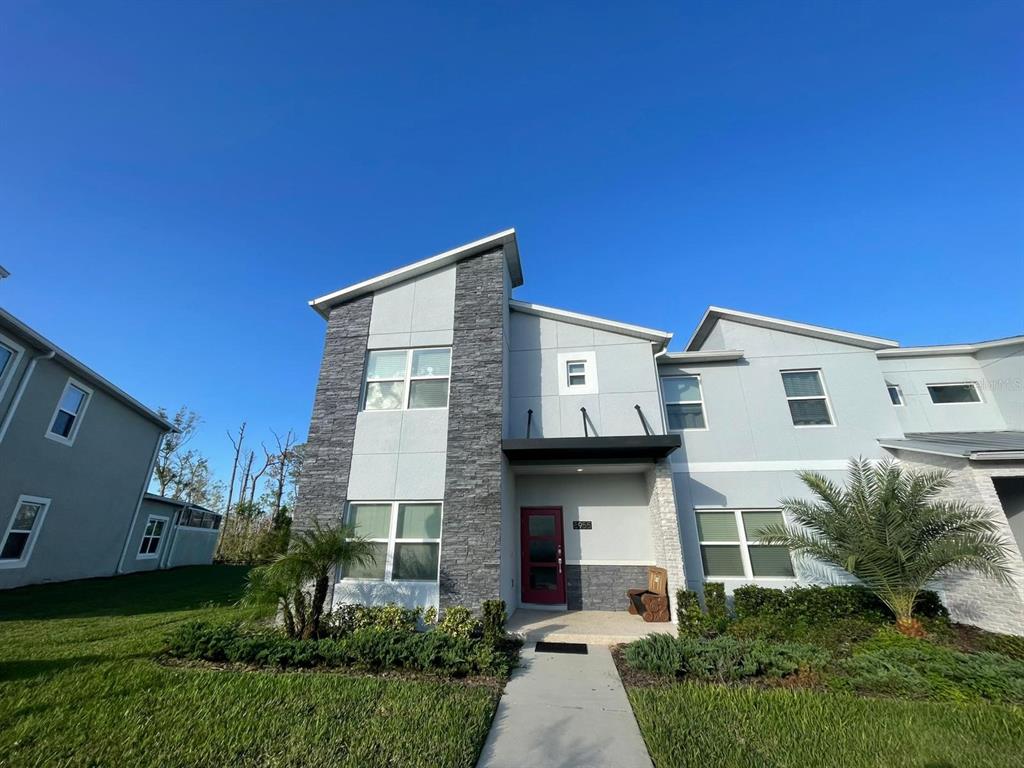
point(590, 627)
point(561, 710)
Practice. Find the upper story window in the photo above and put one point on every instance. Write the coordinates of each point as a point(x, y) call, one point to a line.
point(576, 373)
point(9, 352)
point(22, 531)
point(67, 418)
point(808, 403)
point(684, 402)
point(965, 392)
point(151, 537)
point(730, 548)
point(895, 394)
point(407, 378)
point(406, 538)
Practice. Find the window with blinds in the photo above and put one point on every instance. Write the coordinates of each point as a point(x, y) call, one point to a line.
point(808, 403)
point(398, 379)
point(684, 402)
point(406, 540)
point(730, 548)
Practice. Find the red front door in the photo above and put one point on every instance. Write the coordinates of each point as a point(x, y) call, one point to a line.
point(543, 555)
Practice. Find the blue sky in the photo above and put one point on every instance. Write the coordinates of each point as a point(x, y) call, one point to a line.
point(178, 179)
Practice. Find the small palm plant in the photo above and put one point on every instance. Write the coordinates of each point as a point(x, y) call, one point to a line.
point(888, 528)
point(296, 583)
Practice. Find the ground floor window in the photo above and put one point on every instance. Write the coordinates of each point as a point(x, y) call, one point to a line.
point(151, 536)
point(22, 530)
point(406, 538)
point(729, 545)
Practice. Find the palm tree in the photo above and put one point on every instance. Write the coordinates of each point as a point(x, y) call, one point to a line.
point(888, 528)
point(309, 561)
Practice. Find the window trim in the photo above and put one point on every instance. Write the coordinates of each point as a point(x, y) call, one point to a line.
point(899, 395)
point(972, 384)
point(744, 543)
point(70, 439)
point(823, 396)
point(590, 384)
point(703, 403)
point(159, 539)
point(33, 536)
point(7, 375)
point(392, 540)
point(406, 380)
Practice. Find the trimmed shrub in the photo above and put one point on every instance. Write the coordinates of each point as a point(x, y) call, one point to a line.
point(760, 602)
point(494, 619)
point(368, 648)
point(715, 606)
point(350, 617)
point(815, 604)
point(458, 622)
point(896, 665)
point(689, 617)
point(722, 659)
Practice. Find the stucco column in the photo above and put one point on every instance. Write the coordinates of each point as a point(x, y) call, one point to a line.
point(664, 519)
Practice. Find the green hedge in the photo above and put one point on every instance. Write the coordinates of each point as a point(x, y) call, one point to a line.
point(367, 648)
point(722, 659)
point(819, 604)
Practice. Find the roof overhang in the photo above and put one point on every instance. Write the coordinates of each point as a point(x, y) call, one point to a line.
point(647, 447)
point(711, 356)
point(659, 338)
point(714, 314)
point(505, 240)
point(176, 502)
point(940, 350)
point(80, 369)
point(976, 446)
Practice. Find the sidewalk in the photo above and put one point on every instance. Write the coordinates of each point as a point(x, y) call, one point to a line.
point(564, 710)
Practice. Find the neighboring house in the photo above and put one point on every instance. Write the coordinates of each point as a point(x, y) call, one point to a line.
point(169, 533)
point(490, 447)
point(76, 456)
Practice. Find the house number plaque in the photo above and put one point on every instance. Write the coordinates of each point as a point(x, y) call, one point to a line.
point(582, 525)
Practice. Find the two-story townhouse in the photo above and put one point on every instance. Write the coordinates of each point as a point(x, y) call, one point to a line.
point(490, 447)
point(76, 457)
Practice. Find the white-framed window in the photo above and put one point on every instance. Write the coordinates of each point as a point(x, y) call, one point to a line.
point(70, 410)
point(151, 537)
point(684, 402)
point(577, 373)
point(406, 536)
point(730, 548)
point(808, 402)
point(895, 394)
point(399, 379)
point(9, 356)
point(957, 392)
point(22, 531)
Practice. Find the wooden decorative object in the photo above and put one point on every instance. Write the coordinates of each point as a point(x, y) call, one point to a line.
point(651, 603)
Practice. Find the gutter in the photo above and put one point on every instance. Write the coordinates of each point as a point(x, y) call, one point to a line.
point(22, 386)
point(997, 456)
point(138, 505)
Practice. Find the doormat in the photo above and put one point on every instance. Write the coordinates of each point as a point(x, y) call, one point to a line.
point(545, 647)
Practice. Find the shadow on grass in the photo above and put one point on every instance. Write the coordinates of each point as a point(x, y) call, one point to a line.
point(180, 589)
point(26, 669)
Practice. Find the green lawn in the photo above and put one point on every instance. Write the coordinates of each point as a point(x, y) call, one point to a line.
point(711, 726)
point(79, 687)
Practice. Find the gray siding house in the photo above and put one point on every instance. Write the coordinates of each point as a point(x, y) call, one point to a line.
point(491, 447)
point(76, 456)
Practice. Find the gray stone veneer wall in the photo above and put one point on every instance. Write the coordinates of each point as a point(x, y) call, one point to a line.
point(602, 587)
point(664, 517)
point(471, 534)
point(325, 471)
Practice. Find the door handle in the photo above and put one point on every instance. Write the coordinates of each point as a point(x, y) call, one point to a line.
point(559, 559)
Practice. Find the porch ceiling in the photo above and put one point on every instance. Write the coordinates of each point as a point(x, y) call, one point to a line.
point(582, 448)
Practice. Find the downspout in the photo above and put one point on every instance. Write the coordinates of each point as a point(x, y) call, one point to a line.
point(22, 386)
point(138, 505)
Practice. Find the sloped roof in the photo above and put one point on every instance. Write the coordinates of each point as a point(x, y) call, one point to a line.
point(714, 314)
point(662, 338)
point(13, 324)
point(952, 349)
point(505, 239)
point(979, 446)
